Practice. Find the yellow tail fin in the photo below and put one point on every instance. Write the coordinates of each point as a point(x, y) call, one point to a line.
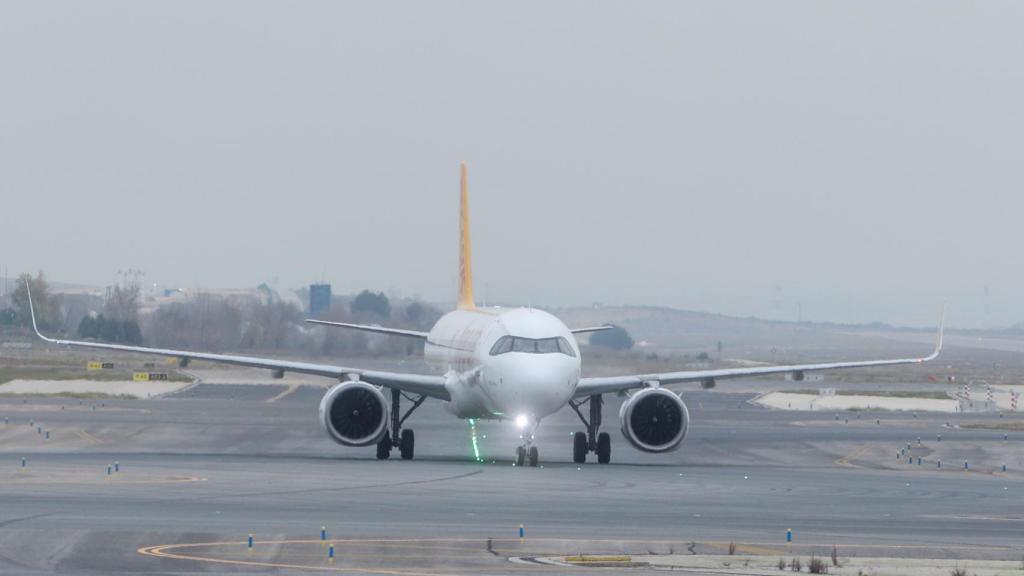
point(465, 248)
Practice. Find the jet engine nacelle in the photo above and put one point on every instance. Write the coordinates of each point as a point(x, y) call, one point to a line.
point(354, 413)
point(654, 420)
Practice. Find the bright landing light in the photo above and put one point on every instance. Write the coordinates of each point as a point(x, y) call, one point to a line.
point(472, 436)
point(522, 421)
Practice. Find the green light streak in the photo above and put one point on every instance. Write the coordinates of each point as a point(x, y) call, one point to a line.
point(472, 437)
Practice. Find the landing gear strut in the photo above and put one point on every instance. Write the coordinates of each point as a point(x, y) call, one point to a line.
point(527, 454)
point(404, 440)
point(591, 441)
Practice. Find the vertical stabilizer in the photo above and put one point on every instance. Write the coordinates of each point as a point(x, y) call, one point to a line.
point(465, 247)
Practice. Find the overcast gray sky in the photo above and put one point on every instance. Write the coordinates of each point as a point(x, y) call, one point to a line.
point(861, 159)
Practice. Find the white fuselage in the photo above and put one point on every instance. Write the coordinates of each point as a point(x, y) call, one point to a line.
point(532, 374)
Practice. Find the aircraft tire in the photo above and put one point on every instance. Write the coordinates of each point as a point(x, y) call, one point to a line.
point(604, 448)
point(408, 444)
point(520, 456)
point(384, 447)
point(579, 447)
point(534, 456)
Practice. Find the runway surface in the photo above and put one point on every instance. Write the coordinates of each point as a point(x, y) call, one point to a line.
point(200, 470)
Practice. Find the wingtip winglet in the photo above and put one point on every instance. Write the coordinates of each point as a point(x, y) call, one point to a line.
point(938, 336)
point(32, 309)
point(942, 329)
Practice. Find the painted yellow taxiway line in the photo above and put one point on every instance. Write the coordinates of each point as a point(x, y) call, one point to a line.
point(184, 551)
point(847, 460)
point(287, 392)
point(160, 552)
point(175, 551)
point(88, 437)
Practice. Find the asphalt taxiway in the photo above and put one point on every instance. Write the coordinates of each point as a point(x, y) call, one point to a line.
point(200, 470)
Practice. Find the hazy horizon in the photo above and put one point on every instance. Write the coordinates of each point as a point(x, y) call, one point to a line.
point(824, 161)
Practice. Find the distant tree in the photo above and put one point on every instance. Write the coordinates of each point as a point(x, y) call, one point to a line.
point(46, 306)
point(616, 338)
point(336, 341)
point(270, 324)
point(373, 303)
point(414, 312)
point(88, 327)
point(123, 303)
point(110, 330)
point(8, 316)
point(132, 332)
point(703, 357)
point(420, 316)
point(202, 322)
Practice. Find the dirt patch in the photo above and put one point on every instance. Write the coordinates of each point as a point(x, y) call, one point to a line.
point(90, 388)
point(808, 402)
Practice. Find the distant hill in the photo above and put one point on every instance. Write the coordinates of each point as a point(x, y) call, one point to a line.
point(672, 330)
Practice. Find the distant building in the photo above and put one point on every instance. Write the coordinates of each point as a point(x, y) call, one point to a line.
point(319, 299)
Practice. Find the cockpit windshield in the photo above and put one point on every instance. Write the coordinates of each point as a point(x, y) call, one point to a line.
point(556, 345)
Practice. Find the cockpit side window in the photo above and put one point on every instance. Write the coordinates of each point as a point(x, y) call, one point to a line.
point(565, 347)
point(503, 345)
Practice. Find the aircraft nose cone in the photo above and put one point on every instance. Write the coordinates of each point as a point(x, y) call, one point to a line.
point(543, 370)
point(539, 385)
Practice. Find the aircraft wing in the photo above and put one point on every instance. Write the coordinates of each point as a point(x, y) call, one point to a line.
point(604, 385)
point(590, 329)
point(375, 329)
point(427, 385)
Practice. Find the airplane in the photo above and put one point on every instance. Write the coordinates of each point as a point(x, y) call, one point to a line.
point(519, 365)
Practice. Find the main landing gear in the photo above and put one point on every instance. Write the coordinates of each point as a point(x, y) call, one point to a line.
point(404, 440)
point(591, 440)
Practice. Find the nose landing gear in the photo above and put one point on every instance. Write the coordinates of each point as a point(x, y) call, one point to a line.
point(591, 441)
point(526, 456)
point(527, 453)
